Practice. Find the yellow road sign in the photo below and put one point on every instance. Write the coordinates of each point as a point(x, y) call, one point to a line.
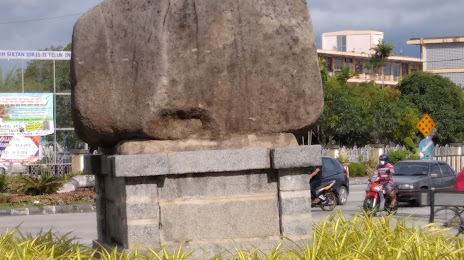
point(425, 125)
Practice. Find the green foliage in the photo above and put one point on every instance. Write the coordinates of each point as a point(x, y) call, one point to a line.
point(441, 99)
point(343, 75)
point(44, 245)
point(323, 68)
point(12, 183)
point(399, 155)
point(3, 183)
point(382, 52)
point(366, 237)
point(410, 145)
point(359, 114)
point(336, 237)
point(356, 169)
point(43, 184)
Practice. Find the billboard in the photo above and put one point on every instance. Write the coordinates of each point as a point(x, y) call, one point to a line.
point(20, 149)
point(26, 114)
point(35, 55)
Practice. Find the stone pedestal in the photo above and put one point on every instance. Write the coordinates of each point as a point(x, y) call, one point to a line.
point(77, 159)
point(208, 201)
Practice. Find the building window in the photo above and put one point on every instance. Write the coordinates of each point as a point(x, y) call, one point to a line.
point(348, 62)
point(358, 67)
point(341, 43)
point(404, 69)
point(396, 69)
point(387, 69)
point(329, 63)
point(338, 64)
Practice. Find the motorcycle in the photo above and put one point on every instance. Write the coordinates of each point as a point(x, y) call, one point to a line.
point(376, 198)
point(327, 197)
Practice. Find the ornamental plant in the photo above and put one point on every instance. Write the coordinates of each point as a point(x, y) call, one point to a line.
point(336, 237)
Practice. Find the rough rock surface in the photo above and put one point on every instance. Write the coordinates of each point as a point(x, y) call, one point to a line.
point(238, 142)
point(193, 69)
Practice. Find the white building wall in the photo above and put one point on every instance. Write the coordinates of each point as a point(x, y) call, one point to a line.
point(358, 43)
point(376, 39)
point(329, 43)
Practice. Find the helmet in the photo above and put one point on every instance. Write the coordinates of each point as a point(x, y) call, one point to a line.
point(383, 159)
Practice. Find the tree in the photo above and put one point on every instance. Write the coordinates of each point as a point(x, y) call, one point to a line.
point(323, 68)
point(441, 99)
point(359, 114)
point(382, 52)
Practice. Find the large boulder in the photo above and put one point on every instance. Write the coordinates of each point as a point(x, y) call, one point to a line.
point(193, 69)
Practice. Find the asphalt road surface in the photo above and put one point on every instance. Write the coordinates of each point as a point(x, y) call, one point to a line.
point(418, 215)
point(84, 227)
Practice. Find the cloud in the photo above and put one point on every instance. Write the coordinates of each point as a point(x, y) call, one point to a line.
point(400, 20)
point(33, 24)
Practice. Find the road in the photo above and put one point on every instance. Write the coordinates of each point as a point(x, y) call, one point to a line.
point(84, 227)
point(418, 215)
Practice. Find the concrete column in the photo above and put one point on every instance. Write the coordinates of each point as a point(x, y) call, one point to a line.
point(77, 159)
point(377, 150)
point(294, 189)
point(333, 150)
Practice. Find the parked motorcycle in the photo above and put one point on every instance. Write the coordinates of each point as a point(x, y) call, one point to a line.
point(376, 198)
point(327, 197)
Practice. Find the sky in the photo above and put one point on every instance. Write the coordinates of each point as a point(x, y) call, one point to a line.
point(39, 24)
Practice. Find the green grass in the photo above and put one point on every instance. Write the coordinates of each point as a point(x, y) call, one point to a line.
point(359, 237)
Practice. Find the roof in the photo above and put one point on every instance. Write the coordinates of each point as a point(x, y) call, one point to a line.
point(365, 55)
point(432, 40)
point(352, 32)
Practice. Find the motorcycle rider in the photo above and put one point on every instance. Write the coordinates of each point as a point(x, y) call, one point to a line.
point(315, 180)
point(386, 170)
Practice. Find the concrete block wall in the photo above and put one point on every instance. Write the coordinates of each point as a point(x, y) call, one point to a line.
point(213, 200)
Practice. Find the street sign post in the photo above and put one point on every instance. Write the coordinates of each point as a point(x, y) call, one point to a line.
point(427, 127)
point(426, 149)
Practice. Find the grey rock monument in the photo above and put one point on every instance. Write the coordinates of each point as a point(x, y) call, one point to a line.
point(173, 70)
point(196, 103)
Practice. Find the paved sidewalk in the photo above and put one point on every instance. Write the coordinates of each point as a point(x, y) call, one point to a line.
point(358, 180)
point(45, 210)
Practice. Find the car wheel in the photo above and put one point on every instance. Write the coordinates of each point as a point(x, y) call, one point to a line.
point(342, 195)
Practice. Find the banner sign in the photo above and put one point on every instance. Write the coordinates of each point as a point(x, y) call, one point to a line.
point(20, 149)
point(35, 55)
point(26, 114)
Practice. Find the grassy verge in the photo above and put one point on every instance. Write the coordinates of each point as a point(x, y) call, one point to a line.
point(21, 201)
point(360, 237)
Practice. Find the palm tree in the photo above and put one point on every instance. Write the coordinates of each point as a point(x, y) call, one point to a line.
point(382, 52)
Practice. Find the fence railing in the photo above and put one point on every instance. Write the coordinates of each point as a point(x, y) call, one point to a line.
point(452, 154)
point(50, 169)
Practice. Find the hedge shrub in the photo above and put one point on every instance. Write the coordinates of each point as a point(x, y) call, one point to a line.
point(356, 169)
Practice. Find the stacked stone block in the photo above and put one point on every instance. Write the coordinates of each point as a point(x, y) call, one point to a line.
point(208, 201)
